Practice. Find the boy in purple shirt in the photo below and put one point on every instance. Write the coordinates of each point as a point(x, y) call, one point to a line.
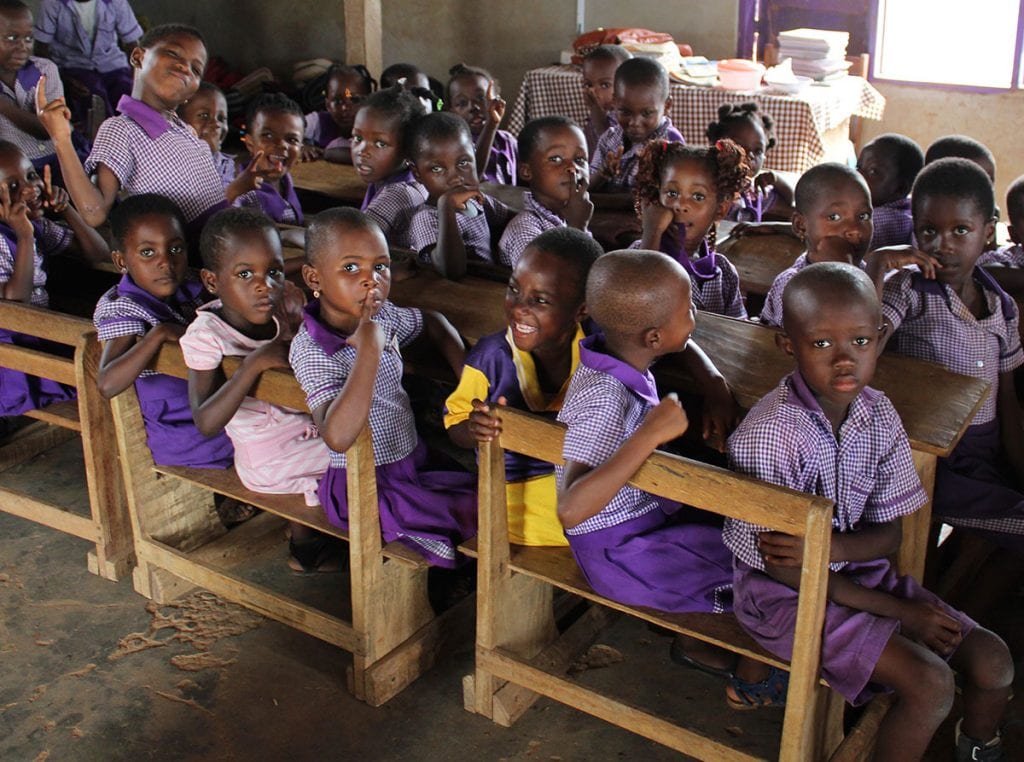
point(824, 431)
point(889, 164)
point(88, 40)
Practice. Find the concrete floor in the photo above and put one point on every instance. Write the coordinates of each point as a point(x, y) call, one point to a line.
point(90, 671)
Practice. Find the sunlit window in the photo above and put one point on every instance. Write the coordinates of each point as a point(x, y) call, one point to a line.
point(948, 42)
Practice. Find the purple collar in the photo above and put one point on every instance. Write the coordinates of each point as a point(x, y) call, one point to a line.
point(402, 176)
point(28, 75)
point(153, 122)
point(275, 204)
point(922, 285)
point(327, 338)
point(593, 356)
point(704, 267)
point(166, 312)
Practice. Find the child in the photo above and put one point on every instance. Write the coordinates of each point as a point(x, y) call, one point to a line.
point(347, 358)
point(412, 79)
point(824, 431)
point(277, 450)
point(86, 40)
point(24, 78)
point(553, 162)
point(378, 155)
point(331, 129)
point(27, 240)
point(965, 321)
point(641, 102)
point(274, 140)
point(599, 67)
point(1006, 264)
point(528, 367)
point(889, 164)
point(472, 94)
point(457, 222)
point(152, 303)
point(681, 192)
point(147, 149)
point(966, 147)
point(771, 194)
point(206, 112)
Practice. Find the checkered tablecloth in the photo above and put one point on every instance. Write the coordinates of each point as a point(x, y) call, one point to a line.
point(800, 120)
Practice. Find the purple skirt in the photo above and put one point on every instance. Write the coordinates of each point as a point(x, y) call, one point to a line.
point(662, 562)
point(426, 503)
point(852, 641)
point(20, 392)
point(171, 433)
point(974, 488)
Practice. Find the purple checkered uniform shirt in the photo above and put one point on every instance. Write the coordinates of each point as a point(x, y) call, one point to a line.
point(894, 224)
point(932, 323)
point(392, 207)
point(155, 152)
point(322, 360)
point(50, 238)
point(524, 227)
point(613, 139)
point(605, 404)
point(714, 282)
point(476, 231)
point(771, 313)
point(867, 471)
point(24, 97)
point(1011, 255)
point(58, 25)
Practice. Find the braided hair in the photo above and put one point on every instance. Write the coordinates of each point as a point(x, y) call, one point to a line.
point(733, 114)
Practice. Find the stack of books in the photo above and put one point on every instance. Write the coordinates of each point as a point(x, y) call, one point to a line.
point(816, 53)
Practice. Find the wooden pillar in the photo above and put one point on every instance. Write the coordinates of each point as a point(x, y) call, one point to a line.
point(363, 34)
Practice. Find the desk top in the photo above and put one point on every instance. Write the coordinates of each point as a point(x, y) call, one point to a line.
point(759, 258)
point(337, 181)
point(744, 352)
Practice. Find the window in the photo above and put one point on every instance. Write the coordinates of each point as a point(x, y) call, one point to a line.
point(949, 42)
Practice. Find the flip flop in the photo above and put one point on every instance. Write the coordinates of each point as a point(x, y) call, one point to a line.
point(680, 657)
point(769, 692)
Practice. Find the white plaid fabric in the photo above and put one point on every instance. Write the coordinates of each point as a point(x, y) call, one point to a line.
point(932, 323)
point(323, 360)
point(771, 313)
point(800, 120)
point(476, 231)
point(786, 439)
point(25, 99)
point(50, 239)
point(392, 208)
point(524, 227)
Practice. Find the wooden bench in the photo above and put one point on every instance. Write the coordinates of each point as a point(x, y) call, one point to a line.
point(760, 258)
point(520, 655)
point(107, 526)
point(393, 633)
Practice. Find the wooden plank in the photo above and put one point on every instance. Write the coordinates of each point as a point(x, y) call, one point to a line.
point(760, 258)
point(339, 182)
point(63, 414)
point(363, 39)
point(25, 506)
point(46, 324)
point(30, 441)
point(36, 362)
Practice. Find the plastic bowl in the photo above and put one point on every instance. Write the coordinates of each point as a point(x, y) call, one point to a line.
point(799, 84)
point(740, 74)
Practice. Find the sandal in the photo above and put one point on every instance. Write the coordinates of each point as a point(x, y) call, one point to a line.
point(680, 657)
point(316, 555)
point(769, 692)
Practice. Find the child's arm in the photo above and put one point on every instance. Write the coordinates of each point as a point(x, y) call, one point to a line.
point(341, 421)
point(92, 201)
point(881, 261)
point(445, 339)
point(1008, 410)
point(782, 207)
point(215, 399)
point(87, 241)
point(654, 221)
point(720, 413)
point(125, 357)
point(495, 113)
point(15, 214)
point(449, 254)
point(585, 491)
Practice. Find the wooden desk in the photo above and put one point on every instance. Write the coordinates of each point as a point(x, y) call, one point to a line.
point(746, 354)
point(759, 258)
point(340, 182)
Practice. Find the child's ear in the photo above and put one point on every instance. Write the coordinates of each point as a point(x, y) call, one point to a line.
point(783, 342)
point(799, 223)
point(415, 172)
point(525, 173)
point(311, 277)
point(209, 280)
point(652, 338)
point(117, 257)
point(136, 56)
point(581, 313)
point(990, 229)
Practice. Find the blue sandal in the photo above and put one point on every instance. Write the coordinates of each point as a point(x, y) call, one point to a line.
point(769, 692)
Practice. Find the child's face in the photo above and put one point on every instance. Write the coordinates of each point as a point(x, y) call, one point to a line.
point(542, 303)
point(639, 110)
point(278, 135)
point(688, 189)
point(249, 278)
point(154, 254)
point(171, 70)
point(751, 138)
point(837, 227)
point(356, 267)
point(880, 172)
point(376, 145)
point(445, 164)
point(15, 39)
point(22, 181)
point(207, 113)
point(469, 100)
point(954, 231)
point(835, 345)
point(675, 334)
point(599, 81)
point(558, 161)
point(345, 91)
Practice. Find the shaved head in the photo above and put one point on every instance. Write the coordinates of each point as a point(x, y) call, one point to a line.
point(631, 290)
point(831, 283)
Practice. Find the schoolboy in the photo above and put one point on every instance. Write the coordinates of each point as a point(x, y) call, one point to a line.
point(889, 165)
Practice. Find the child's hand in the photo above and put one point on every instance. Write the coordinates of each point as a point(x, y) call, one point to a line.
point(368, 335)
point(655, 219)
point(15, 214)
point(458, 197)
point(254, 173)
point(273, 354)
point(612, 162)
point(484, 424)
point(289, 310)
point(579, 208)
point(720, 414)
point(893, 257)
point(55, 116)
point(764, 181)
point(666, 421)
point(930, 625)
point(310, 152)
point(171, 331)
point(495, 105)
point(780, 549)
point(55, 198)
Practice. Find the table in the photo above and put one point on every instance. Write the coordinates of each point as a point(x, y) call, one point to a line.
point(810, 127)
point(339, 182)
point(747, 356)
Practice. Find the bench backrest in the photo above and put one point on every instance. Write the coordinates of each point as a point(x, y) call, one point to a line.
point(55, 327)
point(712, 489)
